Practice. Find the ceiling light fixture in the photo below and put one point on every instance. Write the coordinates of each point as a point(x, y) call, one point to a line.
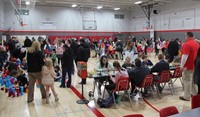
point(74, 5)
point(27, 2)
point(116, 9)
point(138, 2)
point(99, 7)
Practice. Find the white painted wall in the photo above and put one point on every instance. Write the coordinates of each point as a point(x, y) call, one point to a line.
point(1, 15)
point(184, 14)
point(67, 19)
point(174, 16)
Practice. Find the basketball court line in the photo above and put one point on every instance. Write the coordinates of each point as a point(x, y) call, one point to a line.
point(93, 109)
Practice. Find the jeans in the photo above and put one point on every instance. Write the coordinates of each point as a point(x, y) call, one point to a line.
point(64, 72)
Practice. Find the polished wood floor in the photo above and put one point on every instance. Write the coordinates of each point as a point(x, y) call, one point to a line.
point(67, 106)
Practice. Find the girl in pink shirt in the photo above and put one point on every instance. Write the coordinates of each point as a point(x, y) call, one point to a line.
point(59, 50)
point(119, 73)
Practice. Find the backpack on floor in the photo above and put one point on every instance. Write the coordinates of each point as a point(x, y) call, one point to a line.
point(106, 103)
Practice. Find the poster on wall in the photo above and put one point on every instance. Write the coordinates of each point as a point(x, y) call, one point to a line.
point(48, 24)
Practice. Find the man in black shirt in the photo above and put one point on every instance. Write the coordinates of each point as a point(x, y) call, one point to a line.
point(83, 54)
point(173, 48)
point(138, 74)
point(159, 67)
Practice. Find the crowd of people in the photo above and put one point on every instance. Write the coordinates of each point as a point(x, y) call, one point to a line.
point(47, 62)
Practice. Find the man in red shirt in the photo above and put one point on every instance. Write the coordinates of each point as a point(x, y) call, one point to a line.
point(189, 53)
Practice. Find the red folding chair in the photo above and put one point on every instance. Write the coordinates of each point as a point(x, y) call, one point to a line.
point(122, 85)
point(168, 111)
point(195, 101)
point(177, 74)
point(134, 115)
point(147, 83)
point(164, 79)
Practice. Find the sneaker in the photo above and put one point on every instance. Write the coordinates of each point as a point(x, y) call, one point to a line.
point(29, 101)
point(56, 98)
point(182, 98)
point(47, 100)
point(132, 94)
point(145, 95)
point(62, 86)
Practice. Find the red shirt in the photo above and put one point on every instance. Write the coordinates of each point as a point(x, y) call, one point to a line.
point(166, 44)
point(190, 48)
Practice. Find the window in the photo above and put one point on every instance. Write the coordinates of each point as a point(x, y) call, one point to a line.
point(119, 16)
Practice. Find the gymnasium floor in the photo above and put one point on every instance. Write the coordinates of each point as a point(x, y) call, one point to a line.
point(67, 106)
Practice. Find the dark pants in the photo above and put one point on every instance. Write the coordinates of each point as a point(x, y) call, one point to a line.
point(163, 51)
point(101, 80)
point(145, 50)
point(1, 65)
point(64, 72)
point(59, 57)
point(171, 58)
point(155, 79)
point(198, 87)
point(111, 87)
point(157, 51)
point(134, 81)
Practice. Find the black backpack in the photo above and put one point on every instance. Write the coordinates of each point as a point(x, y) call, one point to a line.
point(105, 103)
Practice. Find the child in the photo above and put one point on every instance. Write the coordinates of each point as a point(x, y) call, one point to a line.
point(48, 79)
point(58, 73)
point(145, 61)
point(21, 78)
point(24, 64)
point(127, 64)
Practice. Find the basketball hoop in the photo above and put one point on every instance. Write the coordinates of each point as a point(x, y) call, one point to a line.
point(22, 24)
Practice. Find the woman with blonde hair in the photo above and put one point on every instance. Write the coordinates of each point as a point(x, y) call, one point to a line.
point(128, 51)
point(35, 62)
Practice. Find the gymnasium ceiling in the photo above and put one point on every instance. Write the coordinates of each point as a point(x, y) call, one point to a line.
point(106, 4)
point(92, 4)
